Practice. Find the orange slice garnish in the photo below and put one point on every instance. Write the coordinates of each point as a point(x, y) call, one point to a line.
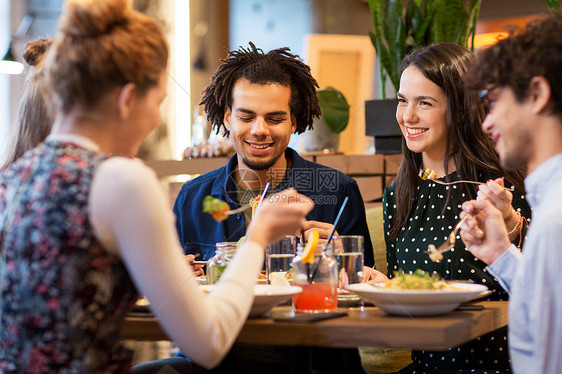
point(310, 248)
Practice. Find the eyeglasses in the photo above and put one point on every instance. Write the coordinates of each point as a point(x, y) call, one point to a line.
point(484, 96)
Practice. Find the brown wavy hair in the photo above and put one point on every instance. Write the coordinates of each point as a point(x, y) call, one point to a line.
point(103, 44)
point(533, 51)
point(471, 149)
point(35, 118)
point(277, 66)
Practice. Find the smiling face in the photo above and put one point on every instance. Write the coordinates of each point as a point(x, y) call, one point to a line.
point(422, 114)
point(506, 124)
point(260, 124)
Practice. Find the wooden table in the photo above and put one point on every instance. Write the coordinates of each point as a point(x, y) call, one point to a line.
point(361, 328)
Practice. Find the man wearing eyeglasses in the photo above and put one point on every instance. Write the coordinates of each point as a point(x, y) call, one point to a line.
point(521, 77)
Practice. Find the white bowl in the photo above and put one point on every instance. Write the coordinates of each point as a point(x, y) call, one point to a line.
point(267, 296)
point(417, 302)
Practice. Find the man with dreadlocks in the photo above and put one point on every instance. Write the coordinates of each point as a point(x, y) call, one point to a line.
point(260, 99)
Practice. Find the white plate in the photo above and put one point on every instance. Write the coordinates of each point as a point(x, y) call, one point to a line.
point(267, 296)
point(417, 302)
point(203, 280)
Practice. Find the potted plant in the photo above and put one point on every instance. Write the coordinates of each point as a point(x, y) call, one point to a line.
point(401, 27)
point(335, 116)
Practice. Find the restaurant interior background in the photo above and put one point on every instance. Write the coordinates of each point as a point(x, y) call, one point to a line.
point(200, 30)
point(330, 35)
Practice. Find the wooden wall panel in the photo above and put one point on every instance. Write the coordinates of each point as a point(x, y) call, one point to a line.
point(356, 164)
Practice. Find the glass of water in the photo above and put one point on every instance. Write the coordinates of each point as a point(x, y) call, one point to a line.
point(279, 257)
point(348, 250)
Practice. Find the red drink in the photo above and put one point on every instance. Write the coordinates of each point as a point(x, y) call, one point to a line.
point(316, 297)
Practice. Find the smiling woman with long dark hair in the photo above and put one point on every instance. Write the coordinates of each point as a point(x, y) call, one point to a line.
point(441, 126)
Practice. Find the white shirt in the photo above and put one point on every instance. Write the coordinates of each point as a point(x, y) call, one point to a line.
point(535, 307)
point(131, 217)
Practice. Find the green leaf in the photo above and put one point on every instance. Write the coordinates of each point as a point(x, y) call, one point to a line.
point(553, 4)
point(422, 34)
point(377, 11)
point(335, 109)
point(382, 68)
point(474, 20)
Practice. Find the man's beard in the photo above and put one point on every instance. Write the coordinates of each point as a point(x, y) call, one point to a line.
point(260, 164)
point(517, 156)
point(514, 161)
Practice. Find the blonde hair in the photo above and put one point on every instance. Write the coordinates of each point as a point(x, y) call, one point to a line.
point(35, 116)
point(103, 44)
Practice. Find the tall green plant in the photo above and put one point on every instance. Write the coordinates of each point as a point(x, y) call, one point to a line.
point(402, 27)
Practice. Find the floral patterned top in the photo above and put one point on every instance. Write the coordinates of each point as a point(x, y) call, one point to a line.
point(63, 296)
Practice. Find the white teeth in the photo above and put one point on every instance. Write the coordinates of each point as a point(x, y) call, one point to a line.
point(415, 131)
point(260, 146)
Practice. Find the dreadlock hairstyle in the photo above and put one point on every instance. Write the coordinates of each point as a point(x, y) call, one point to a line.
point(471, 149)
point(277, 66)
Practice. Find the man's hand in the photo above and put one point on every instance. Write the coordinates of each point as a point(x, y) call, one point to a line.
point(484, 234)
point(197, 269)
point(495, 192)
point(323, 229)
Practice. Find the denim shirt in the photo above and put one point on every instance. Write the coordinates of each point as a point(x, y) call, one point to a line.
point(534, 278)
point(198, 232)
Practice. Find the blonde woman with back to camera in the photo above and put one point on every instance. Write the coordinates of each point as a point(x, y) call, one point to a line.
point(81, 231)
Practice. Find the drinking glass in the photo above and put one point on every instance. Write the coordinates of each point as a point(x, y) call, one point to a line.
point(317, 280)
point(279, 257)
point(349, 256)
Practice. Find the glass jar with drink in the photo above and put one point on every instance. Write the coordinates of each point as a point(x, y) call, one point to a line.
point(224, 251)
point(318, 280)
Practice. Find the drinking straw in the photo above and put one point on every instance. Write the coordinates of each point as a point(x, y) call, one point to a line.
point(335, 225)
point(263, 195)
point(337, 220)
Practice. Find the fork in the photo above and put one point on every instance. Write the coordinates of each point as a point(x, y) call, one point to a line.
point(247, 206)
point(511, 189)
point(437, 253)
point(238, 210)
